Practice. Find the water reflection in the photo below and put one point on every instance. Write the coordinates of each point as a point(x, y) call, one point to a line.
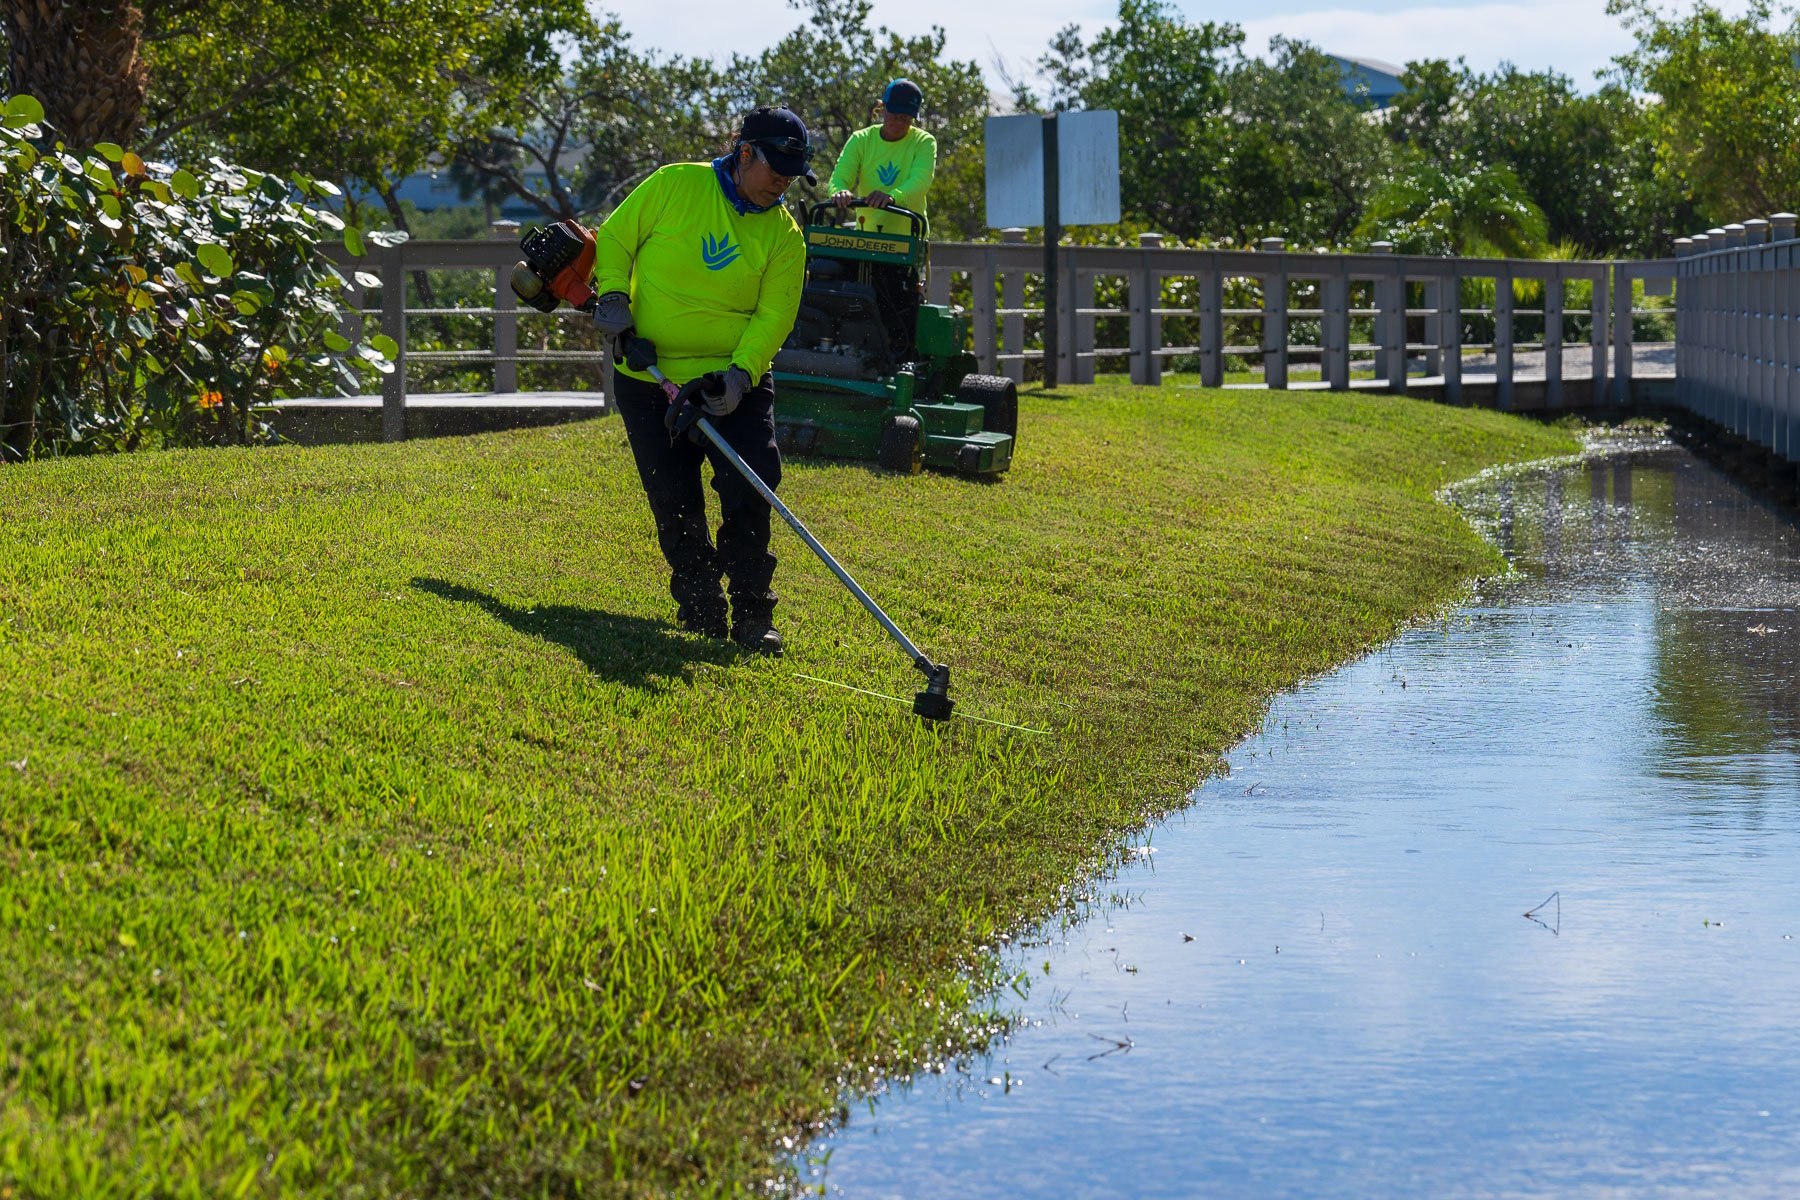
point(1323, 984)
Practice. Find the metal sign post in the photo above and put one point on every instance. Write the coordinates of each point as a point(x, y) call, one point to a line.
point(1052, 238)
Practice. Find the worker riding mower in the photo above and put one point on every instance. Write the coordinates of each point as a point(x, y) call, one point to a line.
point(872, 372)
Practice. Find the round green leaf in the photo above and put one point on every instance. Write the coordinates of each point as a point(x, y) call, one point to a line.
point(385, 344)
point(185, 185)
point(353, 241)
point(23, 110)
point(336, 341)
point(110, 151)
point(215, 259)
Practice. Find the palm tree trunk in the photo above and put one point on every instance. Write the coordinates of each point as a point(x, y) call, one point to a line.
point(81, 59)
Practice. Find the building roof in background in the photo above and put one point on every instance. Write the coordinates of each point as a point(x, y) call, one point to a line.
point(1371, 64)
point(1377, 79)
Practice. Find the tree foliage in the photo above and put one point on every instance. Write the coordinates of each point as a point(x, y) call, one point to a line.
point(1464, 208)
point(1167, 79)
point(832, 71)
point(1302, 156)
point(143, 301)
point(1729, 103)
point(571, 116)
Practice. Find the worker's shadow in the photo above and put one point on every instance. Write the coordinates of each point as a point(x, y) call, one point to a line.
point(635, 651)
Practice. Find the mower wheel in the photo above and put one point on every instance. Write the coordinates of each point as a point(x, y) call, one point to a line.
point(998, 397)
point(900, 445)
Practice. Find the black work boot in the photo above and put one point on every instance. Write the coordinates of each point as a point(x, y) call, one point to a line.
point(707, 620)
point(757, 634)
point(700, 606)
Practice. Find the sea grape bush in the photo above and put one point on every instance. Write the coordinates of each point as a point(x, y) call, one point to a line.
point(150, 305)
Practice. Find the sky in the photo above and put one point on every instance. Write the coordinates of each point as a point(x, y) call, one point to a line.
point(1575, 37)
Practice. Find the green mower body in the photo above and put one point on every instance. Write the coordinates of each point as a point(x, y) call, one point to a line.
point(872, 372)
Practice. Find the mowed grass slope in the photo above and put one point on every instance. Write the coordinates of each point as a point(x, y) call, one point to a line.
point(366, 828)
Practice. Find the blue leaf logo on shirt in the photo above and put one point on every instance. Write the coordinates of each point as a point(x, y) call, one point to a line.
point(887, 174)
point(718, 253)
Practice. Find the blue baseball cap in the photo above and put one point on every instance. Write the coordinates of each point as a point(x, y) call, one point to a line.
point(783, 140)
point(903, 97)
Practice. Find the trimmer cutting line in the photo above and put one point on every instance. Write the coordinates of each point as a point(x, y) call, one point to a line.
point(898, 700)
point(559, 261)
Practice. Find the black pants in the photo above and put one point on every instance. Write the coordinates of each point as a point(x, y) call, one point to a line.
point(671, 476)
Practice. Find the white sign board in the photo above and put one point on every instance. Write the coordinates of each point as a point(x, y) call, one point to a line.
point(1087, 169)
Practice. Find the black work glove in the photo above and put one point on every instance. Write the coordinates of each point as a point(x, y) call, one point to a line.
point(723, 401)
point(639, 353)
point(612, 315)
point(683, 415)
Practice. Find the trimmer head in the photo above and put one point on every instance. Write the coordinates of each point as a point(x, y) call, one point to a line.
point(934, 703)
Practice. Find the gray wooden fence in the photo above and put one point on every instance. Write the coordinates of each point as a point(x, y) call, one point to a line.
point(1737, 313)
point(1402, 319)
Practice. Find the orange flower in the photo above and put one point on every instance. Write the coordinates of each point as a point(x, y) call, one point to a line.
point(211, 399)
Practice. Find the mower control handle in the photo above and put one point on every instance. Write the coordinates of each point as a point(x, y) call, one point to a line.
point(918, 220)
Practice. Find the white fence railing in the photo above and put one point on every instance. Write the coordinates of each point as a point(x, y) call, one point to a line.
point(1401, 321)
point(1737, 316)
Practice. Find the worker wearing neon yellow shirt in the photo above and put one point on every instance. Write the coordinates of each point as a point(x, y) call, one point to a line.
point(703, 260)
point(889, 163)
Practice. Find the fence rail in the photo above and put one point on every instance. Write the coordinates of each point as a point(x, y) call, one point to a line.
point(1737, 319)
point(1414, 316)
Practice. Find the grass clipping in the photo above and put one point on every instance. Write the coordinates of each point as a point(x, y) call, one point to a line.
point(366, 828)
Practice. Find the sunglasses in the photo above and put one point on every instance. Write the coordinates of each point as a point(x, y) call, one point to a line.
point(764, 159)
point(787, 146)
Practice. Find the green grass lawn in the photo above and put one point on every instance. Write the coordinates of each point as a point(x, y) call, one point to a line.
point(366, 828)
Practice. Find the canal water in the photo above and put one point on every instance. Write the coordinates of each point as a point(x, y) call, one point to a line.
point(1320, 979)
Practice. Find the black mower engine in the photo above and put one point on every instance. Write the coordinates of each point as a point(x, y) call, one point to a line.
point(856, 321)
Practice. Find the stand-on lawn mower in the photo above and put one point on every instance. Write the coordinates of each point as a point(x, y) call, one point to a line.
point(872, 372)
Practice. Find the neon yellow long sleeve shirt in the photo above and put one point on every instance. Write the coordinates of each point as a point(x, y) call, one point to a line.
point(902, 169)
point(709, 285)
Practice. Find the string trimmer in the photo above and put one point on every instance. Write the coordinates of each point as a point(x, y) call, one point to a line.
point(559, 262)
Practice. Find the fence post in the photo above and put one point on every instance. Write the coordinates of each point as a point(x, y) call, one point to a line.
point(1597, 340)
point(1390, 325)
point(1275, 318)
point(1334, 331)
point(981, 311)
point(1012, 325)
point(1079, 350)
point(506, 322)
point(1624, 285)
point(1553, 337)
point(1450, 336)
point(938, 288)
point(393, 323)
point(1503, 336)
point(1146, 326)
point(1432, 295)
point(1211, 285)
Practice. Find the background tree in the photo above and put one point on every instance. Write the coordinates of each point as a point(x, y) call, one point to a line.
point(82, 60)
point(1167, 79)
point(832, 71)
point(1463, 208)
point(1302, 156)
point(1589, 161)
point(571, 119)
point(1729, 92)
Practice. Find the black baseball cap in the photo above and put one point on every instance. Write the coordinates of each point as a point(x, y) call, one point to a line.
point(782, 138)
point(904, 97)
